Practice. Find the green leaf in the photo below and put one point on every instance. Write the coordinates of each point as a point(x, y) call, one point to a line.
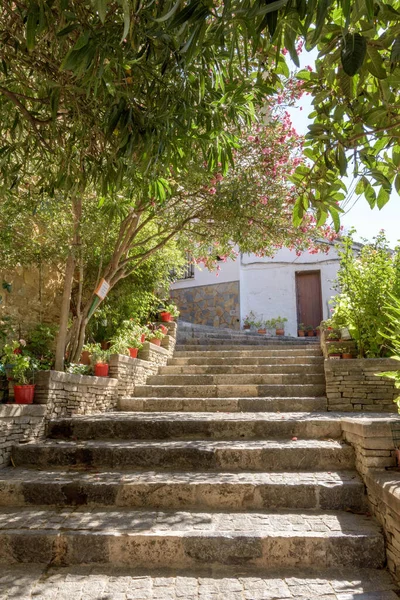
point(361, 185)
point(82, 41)
point(127, 18)
point(322, 11)
point(381, 178)
point(341, 160)
point(397, 183)
point(31, 25)
point(101, 7)
point(298, 212)
point(272, 7)
point(353, 53)
point(383, 198)
point(370, 195)
point(395, 53)
point(335, 217)
point(170, 13)
point(375, 63)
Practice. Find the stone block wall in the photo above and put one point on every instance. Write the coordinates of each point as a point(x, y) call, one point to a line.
point(210, 304)
point(66, 394)
point(19, 423)
point(130, 372)
point(353, 385)
point(375, 442)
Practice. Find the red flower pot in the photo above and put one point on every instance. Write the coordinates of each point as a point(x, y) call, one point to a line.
point(347, 355)
point(262, 331)
point(23, 394)
point(246, 326)
point(133, 352)
point(280, 332)
point(101, 370)
point(310, 333)
point(166, 317)
point(164, 329)
point(301, 332)
point(155, 341)
point(143, 338)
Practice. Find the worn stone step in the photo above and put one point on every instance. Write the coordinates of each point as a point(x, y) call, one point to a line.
point(238, 379)
point(305, 368)
point(246, 360)
point(250, 455)
point(45, 582)
point(186, 490)
point(238, 350)
point(259, 340)
point(184, 539)
point(231, 391)
point(189, 425)
point(291, 404)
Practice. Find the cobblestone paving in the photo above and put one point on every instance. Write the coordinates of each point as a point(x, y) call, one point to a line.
point(88, 583)
point(186, 523)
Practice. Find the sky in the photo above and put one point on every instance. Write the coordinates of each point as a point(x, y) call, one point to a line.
point(367, 222)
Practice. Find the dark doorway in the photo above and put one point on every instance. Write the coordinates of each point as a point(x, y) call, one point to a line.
point(309, 298)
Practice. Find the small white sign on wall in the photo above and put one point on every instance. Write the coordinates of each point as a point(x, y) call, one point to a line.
point(102, 289)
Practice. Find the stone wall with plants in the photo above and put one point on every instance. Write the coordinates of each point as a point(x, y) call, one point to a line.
point(375, 442)
point(19, 423)
point(355, 385)
point(217, 305)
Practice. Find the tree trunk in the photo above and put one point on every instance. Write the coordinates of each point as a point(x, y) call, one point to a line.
point(68, 282)
point(65, 304)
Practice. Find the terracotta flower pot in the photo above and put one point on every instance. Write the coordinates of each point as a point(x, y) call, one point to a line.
point(310, 333)
point(166, 317)
point(155, 341)
point(23, 394)
point(279, 331)
point(246, 326)
point(301, 333)
point(262, 331)
point(143, 338)
point(164, 329)
point(347, 355)
point(85, 358)
point(133, 352)
point(101, 370)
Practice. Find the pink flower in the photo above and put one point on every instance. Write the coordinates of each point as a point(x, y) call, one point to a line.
point(212, 191)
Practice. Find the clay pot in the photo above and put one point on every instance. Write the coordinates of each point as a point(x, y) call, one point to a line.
point(101, 370)
point(155, 341)
point(347, 355)
point(279, 331)
point(166, 317)
point(262, 331)
point(85, 358)
point(301, 333)
point(133, 352)
point(310, 333)
point(23, 394)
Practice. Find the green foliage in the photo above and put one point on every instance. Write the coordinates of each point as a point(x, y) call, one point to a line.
point(172, 309)
point(392, 334)
point(97, 354)
point(78, 369)
point(40, 344)
point(19, 366)
point(367, 277)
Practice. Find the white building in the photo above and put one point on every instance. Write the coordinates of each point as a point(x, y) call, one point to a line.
point(296, 287)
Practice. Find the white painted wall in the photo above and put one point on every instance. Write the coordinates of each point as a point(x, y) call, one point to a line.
point(229, 272)
point(268, 285)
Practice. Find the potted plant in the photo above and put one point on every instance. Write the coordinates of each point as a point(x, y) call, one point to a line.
point(155, 336)
point(99, 359)
point(19, 368)
point(249, 320)
point(270, 326)
point(130, 335)
point(333, 336)
point(346, 354)
point(260, 325)
point(120, 344)
point(334, 352)
point(169, 312)
point(280, 325)
point(301, 330)
point(310, 330)
point(318, 330)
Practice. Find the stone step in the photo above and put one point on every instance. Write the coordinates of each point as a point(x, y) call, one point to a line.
point(184, 539)
point(239, 350)
point(190, 425)
point(266, 455)
point(236, 379)
point(223, 404)
point(231, 391)
point(46, 582)
point(247, 339)
point(305, 368)
point(246, 360)
point(186, 490)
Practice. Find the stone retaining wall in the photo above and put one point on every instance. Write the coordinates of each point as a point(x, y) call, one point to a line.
point(353, 385)
point(374, 445)
point(210, 304)
point(66, 394)
point(19, 423)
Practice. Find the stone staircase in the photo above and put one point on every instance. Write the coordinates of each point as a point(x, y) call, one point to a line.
point(225, 463)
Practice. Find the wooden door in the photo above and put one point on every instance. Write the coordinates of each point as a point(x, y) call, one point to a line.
point(309, 298)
